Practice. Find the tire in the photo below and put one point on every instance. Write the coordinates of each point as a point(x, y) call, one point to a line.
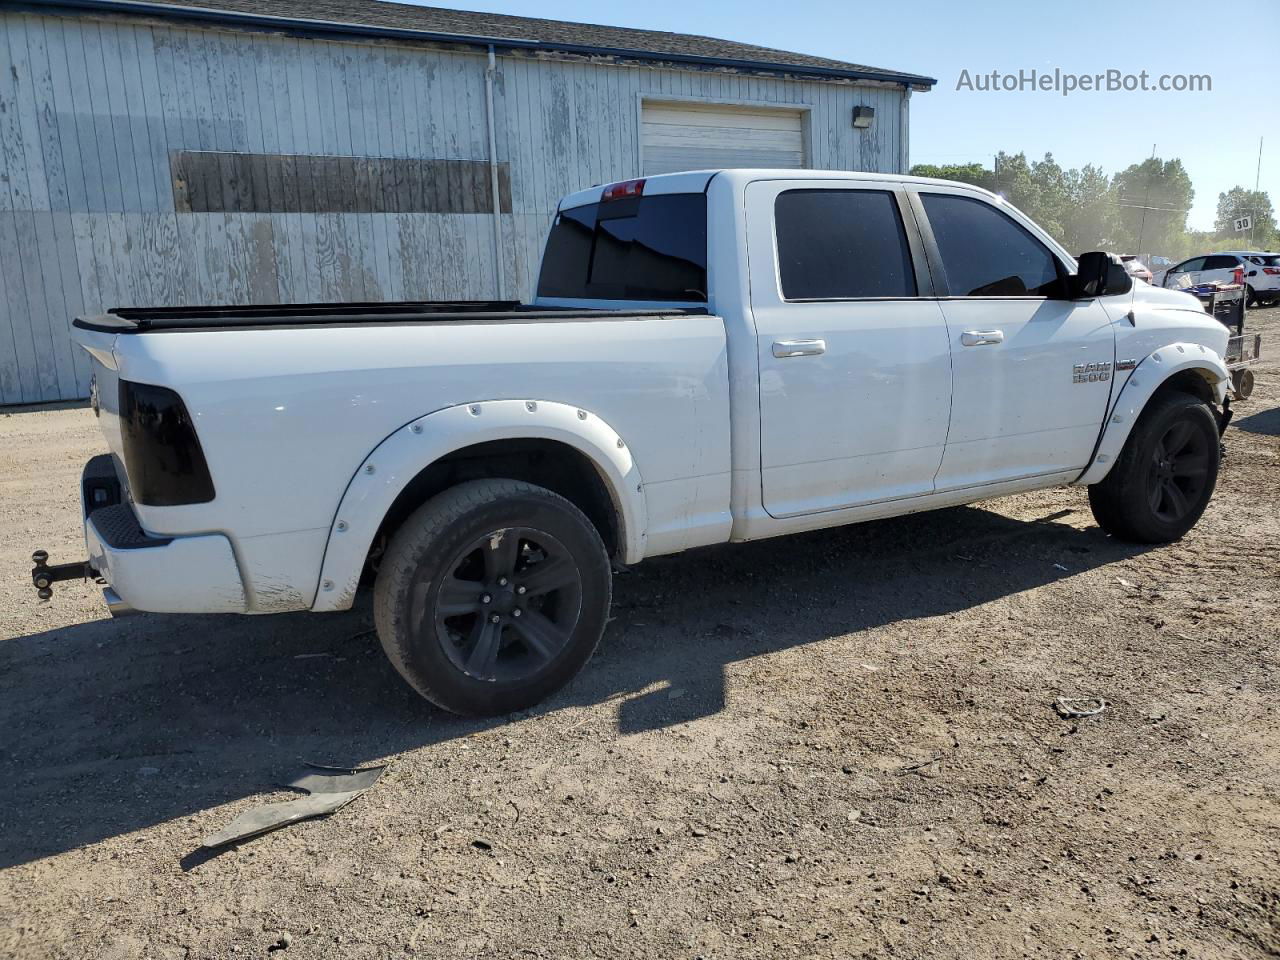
point(1250, 296)
point(1164, 476)
point(1242, 383)
point(456, 573)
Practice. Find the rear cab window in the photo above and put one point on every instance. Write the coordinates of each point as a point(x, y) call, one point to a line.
point(650, 248)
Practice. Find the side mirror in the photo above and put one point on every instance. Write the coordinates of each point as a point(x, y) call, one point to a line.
point(1098, 275)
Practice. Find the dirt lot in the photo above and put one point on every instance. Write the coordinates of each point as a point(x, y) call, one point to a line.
point(837, 745)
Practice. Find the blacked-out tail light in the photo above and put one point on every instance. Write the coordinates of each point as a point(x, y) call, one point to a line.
point(162, 454)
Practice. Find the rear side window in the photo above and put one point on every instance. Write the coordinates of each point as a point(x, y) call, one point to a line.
point(841, 245)
point(1220, 262)
point(635, 248)
point(985, 253)
point(1265, 260)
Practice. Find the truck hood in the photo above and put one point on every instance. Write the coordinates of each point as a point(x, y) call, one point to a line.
point(1160, 298)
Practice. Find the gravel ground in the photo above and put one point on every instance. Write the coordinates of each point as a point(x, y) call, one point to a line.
point(835, 745)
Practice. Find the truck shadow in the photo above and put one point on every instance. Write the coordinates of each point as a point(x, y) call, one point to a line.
point(1266, 423)
point(114, 726)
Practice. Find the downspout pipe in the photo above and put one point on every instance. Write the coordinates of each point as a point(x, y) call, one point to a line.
point(904, 134)
point(489, 73)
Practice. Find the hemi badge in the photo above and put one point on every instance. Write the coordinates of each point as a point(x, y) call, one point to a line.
point(1126, 364)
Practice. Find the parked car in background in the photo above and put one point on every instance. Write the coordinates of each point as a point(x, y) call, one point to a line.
point(1135, 267)
point(1258, 270)
point(1261, 276)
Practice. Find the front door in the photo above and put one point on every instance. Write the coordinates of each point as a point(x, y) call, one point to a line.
point(1032, 370)
point(855, 372)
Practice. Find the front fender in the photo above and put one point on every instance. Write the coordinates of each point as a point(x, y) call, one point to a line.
point(1146, 378)
point(404, 454)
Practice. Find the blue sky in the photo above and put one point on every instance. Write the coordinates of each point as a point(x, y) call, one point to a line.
point(1214, 133)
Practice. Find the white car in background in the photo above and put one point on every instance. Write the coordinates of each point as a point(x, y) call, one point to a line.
point(1262, 276)
point(1257, 270)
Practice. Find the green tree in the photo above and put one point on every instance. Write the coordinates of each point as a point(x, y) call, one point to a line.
point(1052, 196)
point(1152, 199)
point(1014, 181)
point(1085, 209)
point(1089, 222)
point(1238, 202)
point(974, 173)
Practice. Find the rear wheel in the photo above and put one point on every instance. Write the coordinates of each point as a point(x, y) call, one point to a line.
point(1165, 474)
point(492, 596)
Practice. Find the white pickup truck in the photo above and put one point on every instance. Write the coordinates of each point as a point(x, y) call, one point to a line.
point(712, 356)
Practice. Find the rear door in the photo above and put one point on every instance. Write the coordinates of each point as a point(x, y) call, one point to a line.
point(855, 370)
point(1219, 268)
point(1032, 370)
point(1190, 269)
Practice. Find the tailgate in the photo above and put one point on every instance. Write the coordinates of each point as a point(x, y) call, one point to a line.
point(104, 389)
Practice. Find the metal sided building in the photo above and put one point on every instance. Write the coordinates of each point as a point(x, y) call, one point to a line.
point(154, 153)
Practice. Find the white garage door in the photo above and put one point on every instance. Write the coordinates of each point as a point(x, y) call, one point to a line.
point(702, 136)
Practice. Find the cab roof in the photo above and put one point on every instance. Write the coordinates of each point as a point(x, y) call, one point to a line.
point(695, 181)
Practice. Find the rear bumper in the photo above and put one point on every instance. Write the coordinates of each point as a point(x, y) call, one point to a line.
point(195, 574)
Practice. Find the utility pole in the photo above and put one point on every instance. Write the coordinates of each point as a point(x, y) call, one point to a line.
point(1257, 179)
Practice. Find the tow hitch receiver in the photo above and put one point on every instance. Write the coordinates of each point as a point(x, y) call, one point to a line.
point(44, 575)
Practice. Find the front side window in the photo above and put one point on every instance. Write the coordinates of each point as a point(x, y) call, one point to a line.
point(986, 253)
point(634, 248)
point(1189, 266)
point(841, 245)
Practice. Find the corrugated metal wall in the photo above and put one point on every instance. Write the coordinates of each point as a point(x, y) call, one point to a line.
point(92, 111)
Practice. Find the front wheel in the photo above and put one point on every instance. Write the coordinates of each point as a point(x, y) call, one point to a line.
point(1164, 476)
point(492, 596)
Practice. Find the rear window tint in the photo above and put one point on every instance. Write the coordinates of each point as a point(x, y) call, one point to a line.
point(637, 248)
point(841, 245)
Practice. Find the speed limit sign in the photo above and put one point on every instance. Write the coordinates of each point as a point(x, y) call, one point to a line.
point(1243, 223)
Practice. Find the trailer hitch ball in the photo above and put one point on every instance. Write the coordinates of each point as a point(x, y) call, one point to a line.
point(40, 575)
point(44, 576)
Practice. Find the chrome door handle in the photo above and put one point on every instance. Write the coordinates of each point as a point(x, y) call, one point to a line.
point(798, 348)
point(978, 338)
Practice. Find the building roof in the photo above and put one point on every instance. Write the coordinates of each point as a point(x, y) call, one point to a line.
point(380, 18)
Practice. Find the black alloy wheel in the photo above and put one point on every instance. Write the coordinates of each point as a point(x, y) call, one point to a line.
point(508, 605)
point(1179, 472)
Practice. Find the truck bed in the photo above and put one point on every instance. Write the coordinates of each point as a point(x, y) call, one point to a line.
point(144, 319)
